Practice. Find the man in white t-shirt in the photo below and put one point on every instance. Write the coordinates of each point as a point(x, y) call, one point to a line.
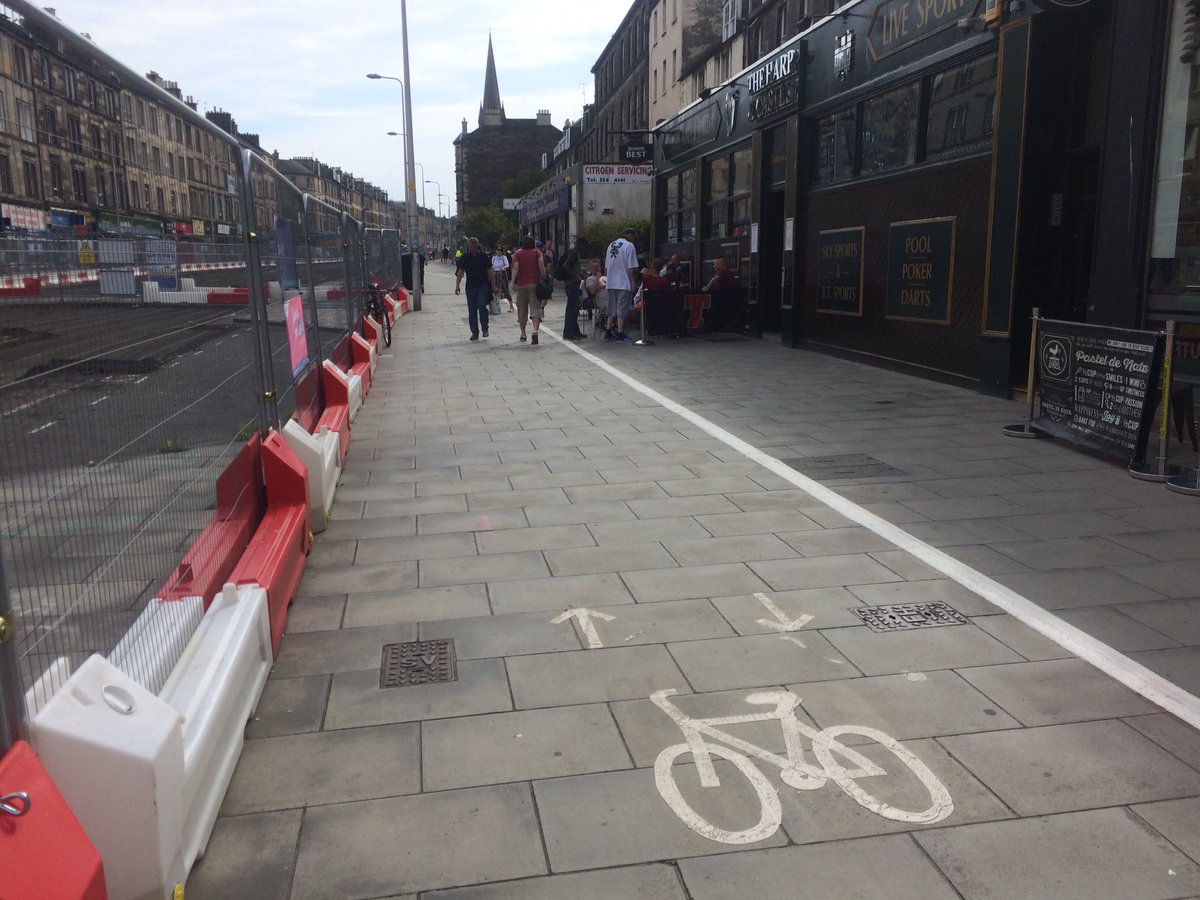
point(620, 269)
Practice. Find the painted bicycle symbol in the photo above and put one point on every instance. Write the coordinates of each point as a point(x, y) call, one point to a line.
point(844, 766)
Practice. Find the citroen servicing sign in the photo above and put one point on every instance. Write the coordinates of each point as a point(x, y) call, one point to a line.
point(617, 174)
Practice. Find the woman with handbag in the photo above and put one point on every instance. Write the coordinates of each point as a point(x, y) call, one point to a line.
point(500, 267)
point(529, 276)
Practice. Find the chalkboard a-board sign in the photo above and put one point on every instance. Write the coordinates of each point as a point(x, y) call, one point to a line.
point(1098, 386)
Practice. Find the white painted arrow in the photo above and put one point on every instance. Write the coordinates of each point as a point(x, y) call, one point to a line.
point(585, 616)
point(782, 623)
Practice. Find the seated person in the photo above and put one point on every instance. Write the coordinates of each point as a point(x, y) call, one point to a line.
point(671, 270)
point(652, 280)
point(723, 277)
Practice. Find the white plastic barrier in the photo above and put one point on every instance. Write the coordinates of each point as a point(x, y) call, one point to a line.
point(320, 454)
point(152, 293)
point(145, 774)
point(156, 639)
point(216, 687)
point(353, 387)
point(274, 291)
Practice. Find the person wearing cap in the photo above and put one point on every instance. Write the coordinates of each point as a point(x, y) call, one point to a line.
point(621, 272)
point(476, 266)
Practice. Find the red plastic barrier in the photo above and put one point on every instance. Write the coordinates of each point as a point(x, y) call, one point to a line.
point(371, 331)
point(31, 287)
point(235, 297)
point(336, 294)
point(275, 558)
point(45, 852)
point(240, 506)
point(336, 416)
point(393, 308)
point(360, 354)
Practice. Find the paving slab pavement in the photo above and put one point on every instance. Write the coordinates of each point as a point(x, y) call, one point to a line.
point(588, 551)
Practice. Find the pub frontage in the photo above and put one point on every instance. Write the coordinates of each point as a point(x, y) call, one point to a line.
point(906, 180)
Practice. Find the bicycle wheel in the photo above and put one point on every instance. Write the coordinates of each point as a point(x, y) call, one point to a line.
point(826, 747)
point(385, 323)
point(772, 811)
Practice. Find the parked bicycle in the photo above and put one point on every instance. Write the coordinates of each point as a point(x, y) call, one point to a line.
point(374, 307)
point(835, 762)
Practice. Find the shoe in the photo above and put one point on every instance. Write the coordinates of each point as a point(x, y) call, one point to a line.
point(474, 337)
point(485, 333)
point(609, 336)
point(522, 339)
point(621, 337)
point(533, 339)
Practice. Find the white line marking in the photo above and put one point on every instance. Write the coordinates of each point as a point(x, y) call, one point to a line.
point(140, 380)
point(586, 625)
point(799, 643)
point(98, 400)
point(1133, 675)
point(782, 623)
point(43, 427)
point(32, 403)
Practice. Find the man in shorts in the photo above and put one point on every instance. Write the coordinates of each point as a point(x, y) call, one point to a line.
point(620, 269)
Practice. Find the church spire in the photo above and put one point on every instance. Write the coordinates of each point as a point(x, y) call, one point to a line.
point(491, 111)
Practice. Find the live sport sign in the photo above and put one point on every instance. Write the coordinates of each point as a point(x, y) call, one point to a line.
point(617, 174)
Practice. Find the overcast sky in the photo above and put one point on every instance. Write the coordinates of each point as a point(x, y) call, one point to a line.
point(294, 71)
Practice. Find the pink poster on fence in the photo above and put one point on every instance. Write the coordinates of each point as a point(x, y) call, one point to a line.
point(297, 341)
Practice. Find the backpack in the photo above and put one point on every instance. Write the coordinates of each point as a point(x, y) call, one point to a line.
point(563, 271)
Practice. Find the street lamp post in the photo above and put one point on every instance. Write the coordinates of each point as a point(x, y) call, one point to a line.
point(419, 166)
point(435, 183)
point(410, 187)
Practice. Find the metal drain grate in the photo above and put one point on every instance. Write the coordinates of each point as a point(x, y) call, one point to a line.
point(906, 616)
point(846, 465)
point(417, 662)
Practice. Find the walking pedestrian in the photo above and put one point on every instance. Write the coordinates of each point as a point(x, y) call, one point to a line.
point(476, 266)
point(621, 270)
point(500, 269)
point(528, 268)
point(594, 289)
point(571, 271)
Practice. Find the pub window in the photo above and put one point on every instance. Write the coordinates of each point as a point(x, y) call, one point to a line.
point(962, 107)
point(729, 193)
point(956, 126)
point(889, 130)
point(679, 207)
point(835, 147)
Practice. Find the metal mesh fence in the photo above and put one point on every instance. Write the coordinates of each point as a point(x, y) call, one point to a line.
point(117, 413)
point(327, 247)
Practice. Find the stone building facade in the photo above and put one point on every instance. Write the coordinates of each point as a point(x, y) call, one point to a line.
point(499, 148)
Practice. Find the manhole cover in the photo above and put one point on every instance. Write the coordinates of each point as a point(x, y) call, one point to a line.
point(417, 662)
point(905, 616)
point(845, 465)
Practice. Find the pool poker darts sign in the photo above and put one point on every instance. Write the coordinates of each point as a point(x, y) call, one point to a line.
point(1098, 386)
